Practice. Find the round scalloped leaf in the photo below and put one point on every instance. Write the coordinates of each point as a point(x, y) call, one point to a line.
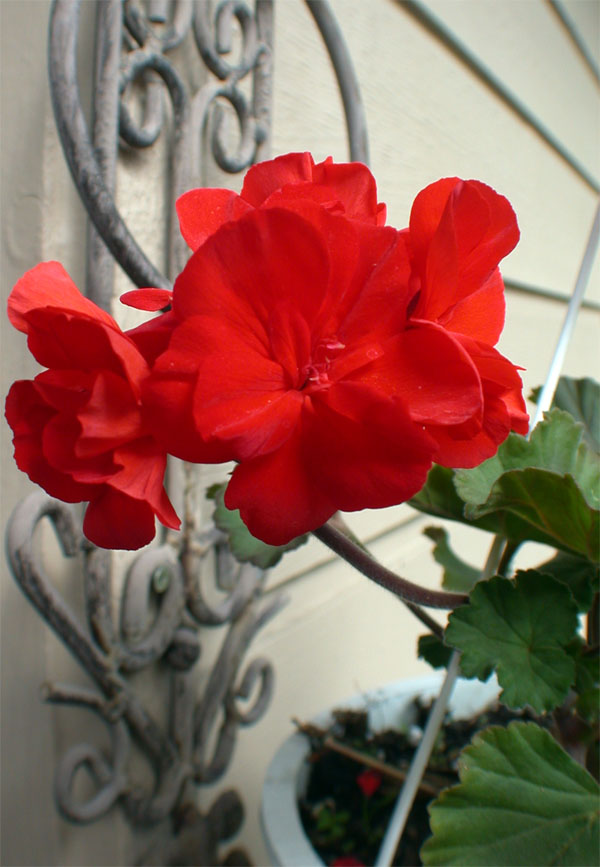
point(521, 800)
point(519, 628)
point(549, 485)
point(580, 398)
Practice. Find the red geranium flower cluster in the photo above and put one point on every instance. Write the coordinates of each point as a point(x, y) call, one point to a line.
point(79, 430)
point(332, 357)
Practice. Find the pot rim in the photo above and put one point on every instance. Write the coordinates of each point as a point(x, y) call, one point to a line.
point(287, 775)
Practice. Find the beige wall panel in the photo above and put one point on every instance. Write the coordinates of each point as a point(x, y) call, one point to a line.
point(527, 48)
point(429, 117)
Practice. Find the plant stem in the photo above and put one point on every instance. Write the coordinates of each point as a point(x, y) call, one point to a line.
point(510, 549)
point(363, 562)
point(435, 719)
point(338, 523)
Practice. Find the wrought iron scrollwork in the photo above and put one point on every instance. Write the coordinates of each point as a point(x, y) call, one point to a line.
point(112, 648)
point(164, 605)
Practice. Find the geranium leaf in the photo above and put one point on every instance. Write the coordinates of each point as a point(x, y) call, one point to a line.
point(458, 575)
point(579, 574)
point(549, 484)
point(244, 546)
point(520, 628)
point(434, 651)
point(580, 398)
point(521, 800)
point(438, 497)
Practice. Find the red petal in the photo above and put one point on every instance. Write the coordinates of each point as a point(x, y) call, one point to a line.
point(431, 372)
point(171, 398)
point(354, 185)
point(62, 339)
point(59, 443)
point(28, 415)
point(357, 451)
point(64, 390)
point(114, 520)
point(277, 495)
point(364, 449)
point(110, 417)
point(49, 285)
point(476, 229)
point(147, 299)
point(152, 337)
point(201, 212)
point(480, 315)
point(141, 476)
point(240, 395)
point(454, 451)
point(249, 266)
point(264, 178)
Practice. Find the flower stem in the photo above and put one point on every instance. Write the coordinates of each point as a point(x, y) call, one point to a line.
point(364, 563)
point(434, 627)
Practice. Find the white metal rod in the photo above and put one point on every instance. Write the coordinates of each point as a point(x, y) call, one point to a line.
point(420, 760)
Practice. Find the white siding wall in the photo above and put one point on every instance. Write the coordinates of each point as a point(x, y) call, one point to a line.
point(429, 116)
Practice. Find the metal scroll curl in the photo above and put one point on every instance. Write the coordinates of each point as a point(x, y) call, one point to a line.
point(159, 617)
point(153, 624)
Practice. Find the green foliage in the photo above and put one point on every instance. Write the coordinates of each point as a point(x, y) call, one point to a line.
point(521, 800)
point(458, 575)
point(580, 398)
point(244, 546)
point(549, 484)
point(521, 629)
point(434, 651)
point(580, 575)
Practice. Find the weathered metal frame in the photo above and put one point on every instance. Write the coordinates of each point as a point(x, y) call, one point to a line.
point(163, 607)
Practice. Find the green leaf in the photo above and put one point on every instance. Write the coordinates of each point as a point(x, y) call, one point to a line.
point(580, 575)
point(520, 628)
point(580, 398)
point(521, 800)
point(244, 546)
point(458, 575)
point(549, 485)
point(438, 497)
point(434, 651)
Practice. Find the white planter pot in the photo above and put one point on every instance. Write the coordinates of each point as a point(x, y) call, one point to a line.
point(287, 773)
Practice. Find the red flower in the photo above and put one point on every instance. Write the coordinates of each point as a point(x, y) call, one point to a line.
point(459, 231)
point(285, 182)
point(298, 355)
point(288, 181)
point(79, 429)
point(346, 861)
point(369, 781)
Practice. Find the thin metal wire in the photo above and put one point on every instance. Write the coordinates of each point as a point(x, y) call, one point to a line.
point(547, 392)
point(436, 26)
point(405, 800)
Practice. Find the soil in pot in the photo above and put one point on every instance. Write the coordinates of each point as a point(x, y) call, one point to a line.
point(348, 802)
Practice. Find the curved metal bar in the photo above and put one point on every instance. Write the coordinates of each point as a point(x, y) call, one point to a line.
point(147, 132)
point(220, 692)
point(214, 42)
point(141, 26)
point(111, 778)
point(246, 586)
point(260, 670)
point(356, 122)
point(30, 576)
point(155, 569)
point(74, 135)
